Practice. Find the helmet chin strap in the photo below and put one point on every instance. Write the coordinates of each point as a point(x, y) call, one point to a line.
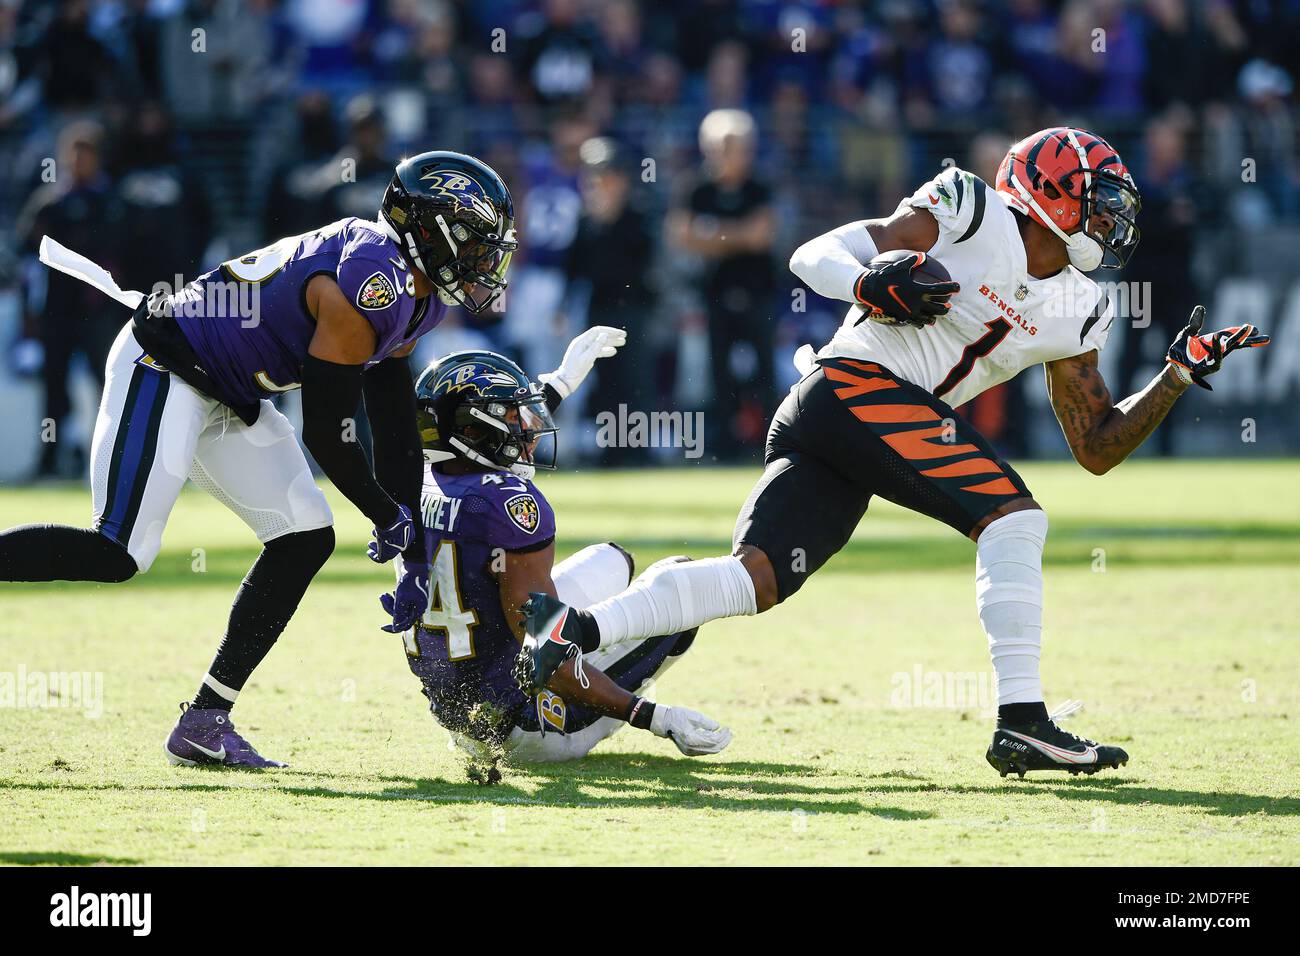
point(1084, 251)
point(408, 239)
point(471, 454)
point(519, 469)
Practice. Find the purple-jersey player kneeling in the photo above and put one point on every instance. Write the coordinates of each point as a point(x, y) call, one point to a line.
point(490, 535)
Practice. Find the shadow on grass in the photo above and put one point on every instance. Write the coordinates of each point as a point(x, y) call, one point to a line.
point(1123, 792)
point(56, 858)
point(1073, 544)
point(601, 781)
point(613, 781)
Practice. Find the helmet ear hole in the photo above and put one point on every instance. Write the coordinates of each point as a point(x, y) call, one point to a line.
point(1050, 190)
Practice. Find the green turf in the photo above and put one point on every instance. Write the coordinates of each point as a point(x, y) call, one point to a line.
point(1184, 649)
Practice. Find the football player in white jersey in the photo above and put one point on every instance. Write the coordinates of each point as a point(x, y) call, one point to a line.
point(872, 415)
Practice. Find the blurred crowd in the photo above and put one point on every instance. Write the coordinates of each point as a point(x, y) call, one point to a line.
point(664, 156)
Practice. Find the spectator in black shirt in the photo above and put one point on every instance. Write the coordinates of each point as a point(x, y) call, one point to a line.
point(81, 209)
point(561, 59)
point(294, 197)
point(608, 261)
point(728, 221)
point(356, 178)
point(74, 67)
point(167, 219)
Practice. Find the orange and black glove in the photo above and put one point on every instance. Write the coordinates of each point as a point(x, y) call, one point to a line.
point(896, 291)
point(1195, 356)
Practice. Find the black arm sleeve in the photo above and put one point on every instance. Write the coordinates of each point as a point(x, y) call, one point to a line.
point(396, 448)
point(331, 395)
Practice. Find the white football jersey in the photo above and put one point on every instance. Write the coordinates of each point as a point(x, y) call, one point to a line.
point(1003, 319)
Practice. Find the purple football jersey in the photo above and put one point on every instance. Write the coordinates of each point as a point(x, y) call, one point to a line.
point(247, 320)
point(463, 650)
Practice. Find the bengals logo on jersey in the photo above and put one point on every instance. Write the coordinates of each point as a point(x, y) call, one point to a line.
point(376, 293)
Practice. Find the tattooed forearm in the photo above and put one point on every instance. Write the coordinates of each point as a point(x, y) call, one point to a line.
point(1102, 434)
point(1130, 422)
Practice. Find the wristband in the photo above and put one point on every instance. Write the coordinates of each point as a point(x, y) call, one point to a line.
point(642, 713)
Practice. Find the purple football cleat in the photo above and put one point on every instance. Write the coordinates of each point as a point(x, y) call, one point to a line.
point(208, 738)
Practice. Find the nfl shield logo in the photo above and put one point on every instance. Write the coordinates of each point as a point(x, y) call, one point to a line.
point(1021, 292)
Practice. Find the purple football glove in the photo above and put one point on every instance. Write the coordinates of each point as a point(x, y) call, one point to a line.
point(409, 600)
point(392, 541)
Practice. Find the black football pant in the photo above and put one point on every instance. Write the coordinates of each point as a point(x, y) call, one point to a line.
point(851, 430)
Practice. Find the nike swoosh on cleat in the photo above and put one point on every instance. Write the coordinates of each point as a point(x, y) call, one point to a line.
point(214, 754)
point(1059, 754)
point(559, 626)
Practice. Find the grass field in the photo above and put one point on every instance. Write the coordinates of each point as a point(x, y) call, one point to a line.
point(1173, 611)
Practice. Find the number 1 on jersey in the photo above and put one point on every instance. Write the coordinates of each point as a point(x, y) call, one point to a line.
point(986, 343)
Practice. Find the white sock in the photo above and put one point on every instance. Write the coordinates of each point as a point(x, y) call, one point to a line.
point(1009, 596)
point(669, 598)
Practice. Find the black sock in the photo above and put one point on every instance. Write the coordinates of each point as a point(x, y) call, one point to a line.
point(588, 632)
point(58, 552)
point(1014, 714)
point(265, 602)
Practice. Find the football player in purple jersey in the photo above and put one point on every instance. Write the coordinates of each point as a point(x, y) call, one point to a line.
point(489, 536)
point(334, 312)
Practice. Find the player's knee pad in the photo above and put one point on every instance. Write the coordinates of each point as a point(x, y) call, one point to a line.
point(142, 552)
point(304, 549)
point(627, 556)
point(597, 572)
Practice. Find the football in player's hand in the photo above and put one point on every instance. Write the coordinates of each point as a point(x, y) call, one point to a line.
point(929, 271)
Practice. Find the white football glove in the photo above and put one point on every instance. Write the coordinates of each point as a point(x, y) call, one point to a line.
point(692, 732)
point(599, 341)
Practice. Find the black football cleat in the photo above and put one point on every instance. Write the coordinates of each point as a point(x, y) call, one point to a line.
point(551, 637)
point(1019, 748)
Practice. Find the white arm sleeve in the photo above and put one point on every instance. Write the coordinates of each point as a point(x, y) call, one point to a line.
point(831, 263)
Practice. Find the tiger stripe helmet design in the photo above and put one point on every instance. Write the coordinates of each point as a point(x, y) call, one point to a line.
point(1063, 177)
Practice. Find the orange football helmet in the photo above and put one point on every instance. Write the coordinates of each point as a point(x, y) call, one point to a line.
point(1061, 178)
